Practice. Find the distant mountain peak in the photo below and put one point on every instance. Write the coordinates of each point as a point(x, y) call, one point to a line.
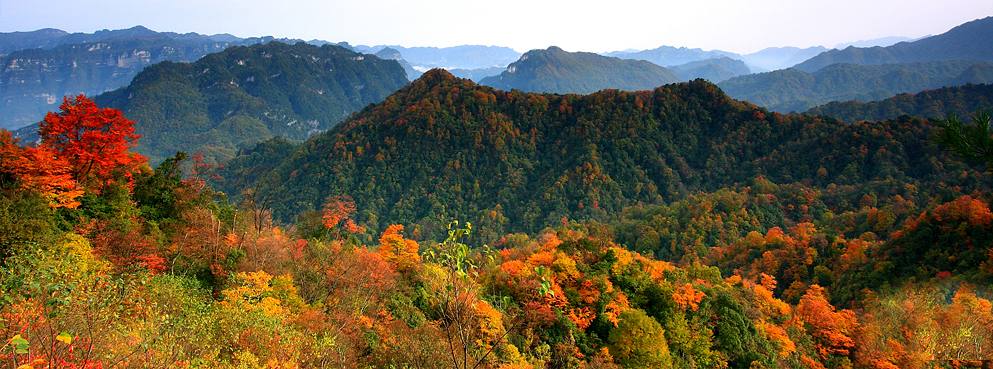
point(555, 70)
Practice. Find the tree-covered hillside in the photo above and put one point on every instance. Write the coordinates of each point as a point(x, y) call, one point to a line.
point(795, 90)
point(445, 148)
point(247, 94)
point(557, 71)
point(961, 100)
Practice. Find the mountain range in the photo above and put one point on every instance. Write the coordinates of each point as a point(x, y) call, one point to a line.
point(43, 66)
point(969, 41)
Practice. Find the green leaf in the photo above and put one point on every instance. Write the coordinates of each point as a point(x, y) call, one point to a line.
point(64, 337)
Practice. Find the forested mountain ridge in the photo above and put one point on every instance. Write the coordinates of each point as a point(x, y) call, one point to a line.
point(247, 94)
point(557, 71)
point(795, 90)
point(961, 100)
point(522, 161)
point(968, 41)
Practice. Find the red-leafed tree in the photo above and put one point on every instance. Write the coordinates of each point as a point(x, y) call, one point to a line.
point(95, 141)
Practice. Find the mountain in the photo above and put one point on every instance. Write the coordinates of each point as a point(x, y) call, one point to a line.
point(445, 148)
point(961, 100)
point(969, 41)
point(43, 38)
point(247, 94)
point(795, 90)
point(714, 70)
point(668, 56)
point(774, 58)
point(392, 54)
point(557, 71)
point(454, 57)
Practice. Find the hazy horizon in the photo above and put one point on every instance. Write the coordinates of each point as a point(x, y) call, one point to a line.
point(737, 27)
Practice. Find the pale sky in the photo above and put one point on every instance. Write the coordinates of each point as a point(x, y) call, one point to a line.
point(742, 26)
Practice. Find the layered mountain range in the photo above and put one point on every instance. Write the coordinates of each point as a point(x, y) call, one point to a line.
point(969, 41)
point(43, 66)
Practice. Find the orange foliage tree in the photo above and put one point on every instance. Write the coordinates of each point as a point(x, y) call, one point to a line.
point(336, 215)
point(396, 250)
point(832, 330)
point(40, 170)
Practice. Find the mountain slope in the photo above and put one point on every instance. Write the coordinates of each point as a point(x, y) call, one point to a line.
point(247, 94)
point(557, 71)
point(393, 54)
point(796, 90)
point(444, 148)
point(969, 41)
point(961, 100)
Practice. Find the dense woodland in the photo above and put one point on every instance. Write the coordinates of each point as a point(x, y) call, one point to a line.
point(961, 101)
point(652, 229)
point(792, 89)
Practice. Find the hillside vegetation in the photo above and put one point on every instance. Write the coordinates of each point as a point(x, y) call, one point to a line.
point(961, 100)
point(444, 148)
point(795, 90)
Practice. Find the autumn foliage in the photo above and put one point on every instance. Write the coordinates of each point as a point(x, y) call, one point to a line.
point(96, 142)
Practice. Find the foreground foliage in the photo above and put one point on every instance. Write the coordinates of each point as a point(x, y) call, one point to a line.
point(152, 268)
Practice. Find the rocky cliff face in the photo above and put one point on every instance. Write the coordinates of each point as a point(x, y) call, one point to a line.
point(33, 82)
